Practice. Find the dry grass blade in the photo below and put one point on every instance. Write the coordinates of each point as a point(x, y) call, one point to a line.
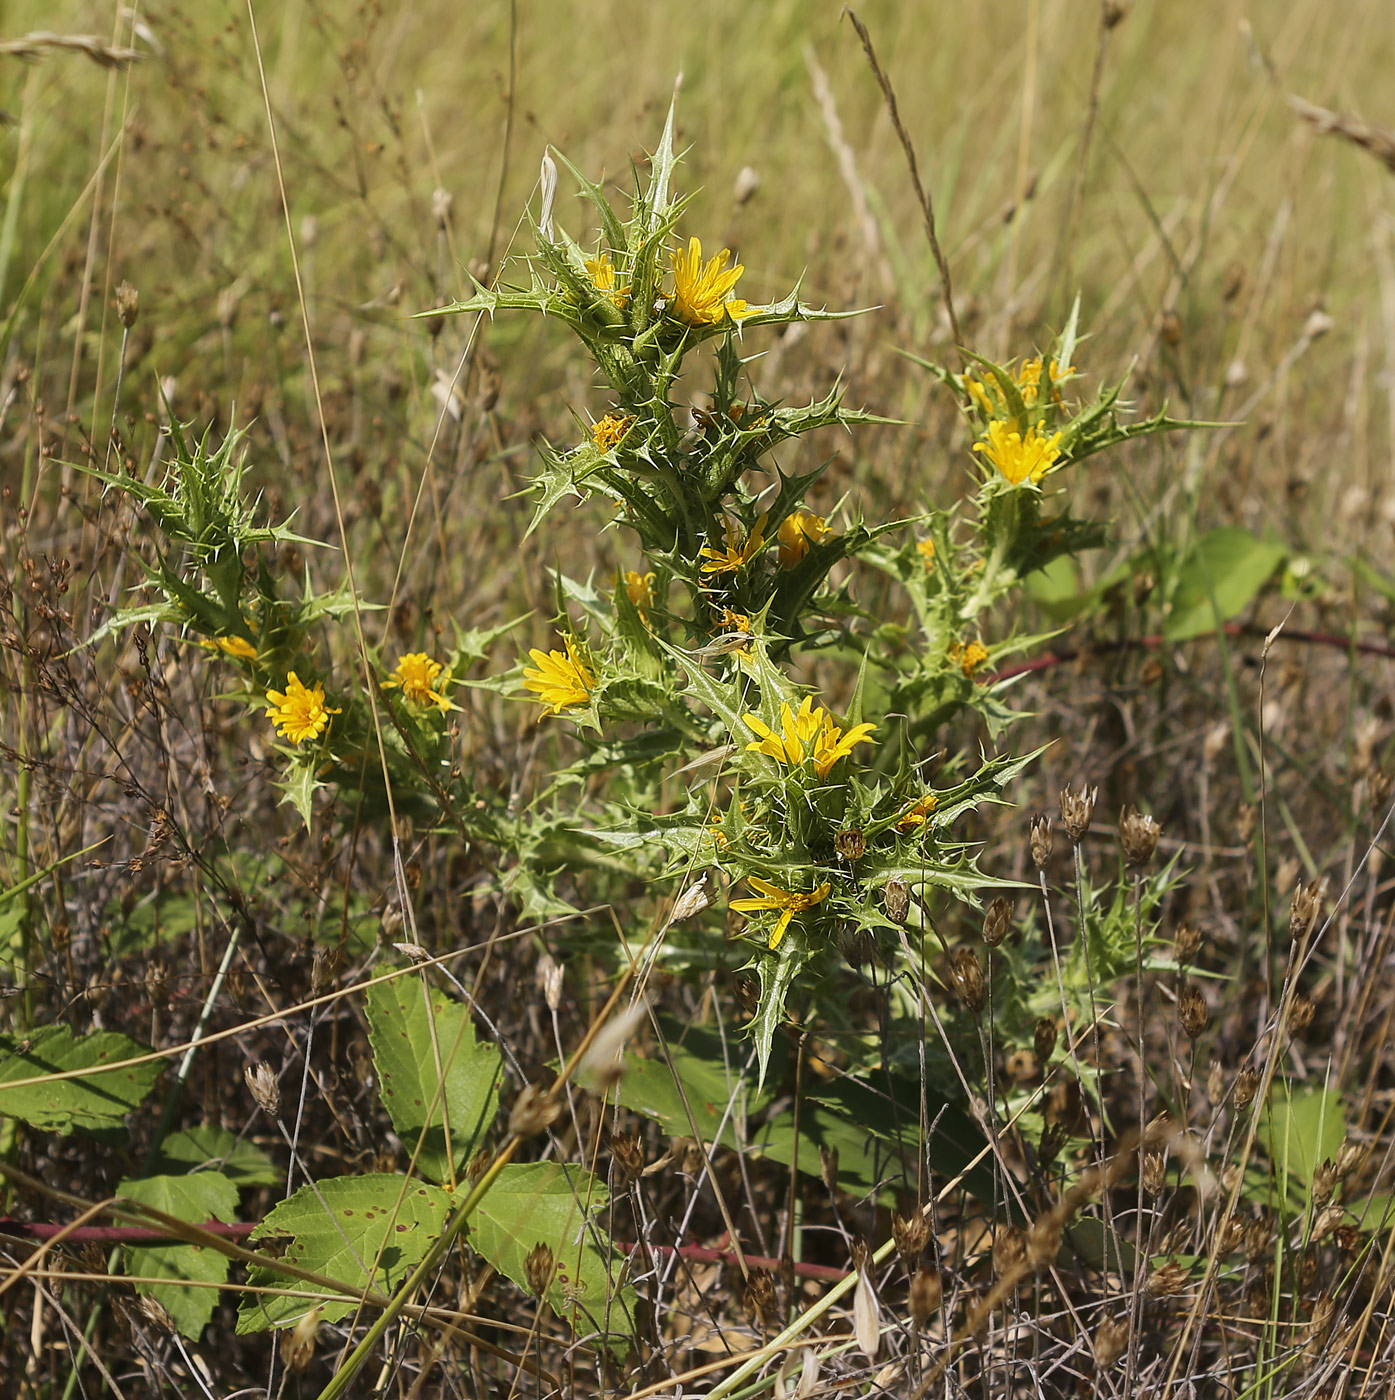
point(34, 46)
point(1378, 140)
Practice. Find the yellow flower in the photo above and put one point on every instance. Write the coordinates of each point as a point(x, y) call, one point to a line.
point(916, 813)
point(1020, 459)
point(832, 744)
point(987, 393)
point(1029, 380)
point(788, 902)
point(968, 658)
point(733, 557)
point(796, 730)
point(798, 530)
point(732, 621)
point(298, 712)
point(702, 294)
point(608, 432)
point(238, 647)
point(602, 273)
point(561, 679)
point(640, 587)
point(415, 673)
point(926, 549)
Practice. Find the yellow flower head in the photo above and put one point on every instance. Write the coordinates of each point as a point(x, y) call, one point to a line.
point(640, 588)
point(968, 658)
point(299, 712)
point(601, 271)
point(926, 549)
point(734, 556)
point(702, 294)
point(787, 744)
point(238, 647)
point(787, 902)
point(416, 674)
point(916, 813)
point(1020, 458)
point(609, 430)
point(560, 678)
point(798, 530)
point(831, 744)
point(732, 621)
point(987, 393)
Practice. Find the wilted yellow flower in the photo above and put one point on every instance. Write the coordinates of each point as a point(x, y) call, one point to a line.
point(238, 647)
point(916, 813)
point(415, 673)
point(561, 679)
point(798, 530)
point(602, 273)
point(608, 432)
point(788, 902)
point(734, 556)
point(1020, 458)
point(926, 549)
point(702, 294)
point(968, 658)
point(299, 712)
point(831, 744)
point(640, 588)
point(796, 730)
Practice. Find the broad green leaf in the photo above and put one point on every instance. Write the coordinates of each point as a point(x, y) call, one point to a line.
point(197, 1198)
point(209, 1147)
point(369, 1232)
point(1302, 1129)
point(1227, 568)
point(95, 1103)
point(416, 1050)
point(550, 1203)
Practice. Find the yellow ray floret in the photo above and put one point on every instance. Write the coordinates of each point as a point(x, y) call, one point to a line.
point(788, 902)
point(1020, 458)
point(788, 743)
point(916, 813)
point(702, 293)
point(798, 530)
point(608, 431)
point(299, 712)
point(734, 556)
point(560, 679)
point(831, 744)
point(415, 674)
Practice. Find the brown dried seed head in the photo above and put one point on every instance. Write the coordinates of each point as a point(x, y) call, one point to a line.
point(1154, 1172)
point(1246, 1086)
point(1328, 1219)
point(265, 1090)
point(534, 1111)
point(925, 1294)
point(1324, 1181)
point(1053, 1139)
point(627, 1149)
point(896, 900)
point(156, 1312)
point(1138, 835)
point(1300, 1014)
point(1166, 1280)
point(1077, 808)
point(1350, 1159)
point(1043, 1241)
point(1192, 1012)
point(996, 921)
point(759, 1298)
point(127, 304)
point(1349, 1239)
point(912, 1234)
point(1041, 842)
point(1215, 1082)
point(539, 1268)
point(1044, 1038)
point(966, 976)
point(1307, 905)
point(1230, 1233)
point(1111, 1337)
point(1009, 1249)
point(851, 843)
point(1259, 1240)
point(1186, 942)
point(1324, 1313)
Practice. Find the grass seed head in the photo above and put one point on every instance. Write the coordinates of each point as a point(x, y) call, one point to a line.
point(1138, 835)
point(1154, 1171)
point(1043, 1242)
point(1009, 1250)
point(1077, 808)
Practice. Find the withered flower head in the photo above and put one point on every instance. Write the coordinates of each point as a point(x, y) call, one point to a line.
point(1041, 842)
point(1138, 835)
point(966, 976)
point(534, 1110)
point(1186, 942)
point(912, 1234)
point(996, 921)
point(539, 1268)
point(926, 1291)
point(1304, 911)
point(1077, 808)
point(1192, 1012)
point(1044, 1038)
point(1111, 1337)
point(1246, 1086)
point(851, 843)
point(896, 899)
